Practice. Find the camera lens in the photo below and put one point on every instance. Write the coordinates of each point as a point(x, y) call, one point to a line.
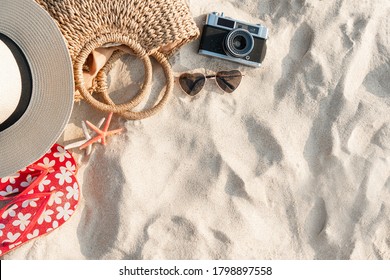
point(239, 43)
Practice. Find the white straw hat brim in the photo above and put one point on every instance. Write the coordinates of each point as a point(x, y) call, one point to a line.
point(37, 35)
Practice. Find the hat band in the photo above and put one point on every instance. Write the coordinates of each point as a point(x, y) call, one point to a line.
point(26, 82)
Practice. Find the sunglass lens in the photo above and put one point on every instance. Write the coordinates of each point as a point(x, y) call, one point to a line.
point(192, 84)
point(228, 81)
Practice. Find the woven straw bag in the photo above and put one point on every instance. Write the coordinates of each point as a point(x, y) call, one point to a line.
point(149, 28)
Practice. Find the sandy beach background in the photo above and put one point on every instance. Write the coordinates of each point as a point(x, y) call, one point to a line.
point(295, 164)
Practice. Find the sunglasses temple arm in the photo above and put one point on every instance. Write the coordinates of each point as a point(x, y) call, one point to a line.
point(229, 76)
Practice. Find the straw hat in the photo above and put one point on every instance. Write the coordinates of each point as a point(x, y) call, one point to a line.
point(36, 84)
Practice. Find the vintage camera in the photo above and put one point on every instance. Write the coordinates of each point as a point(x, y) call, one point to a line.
point(234, 40)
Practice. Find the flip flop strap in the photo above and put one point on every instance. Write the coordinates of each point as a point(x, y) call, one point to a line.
point(44, 171)
point(24, 195)
point(37, 215)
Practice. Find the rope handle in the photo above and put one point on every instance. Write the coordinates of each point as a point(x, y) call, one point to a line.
point(131, 115)
point(123, 109)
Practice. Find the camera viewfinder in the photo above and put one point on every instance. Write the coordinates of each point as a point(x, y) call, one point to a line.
point(225, 22)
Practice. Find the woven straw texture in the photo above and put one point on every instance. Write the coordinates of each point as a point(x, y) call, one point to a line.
point(155, 28)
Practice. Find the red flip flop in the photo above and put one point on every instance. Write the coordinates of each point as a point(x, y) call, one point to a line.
point(41, 198)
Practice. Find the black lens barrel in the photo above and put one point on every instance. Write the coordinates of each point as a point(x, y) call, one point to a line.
point(239, 43)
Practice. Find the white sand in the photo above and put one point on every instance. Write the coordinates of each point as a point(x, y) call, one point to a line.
point(294, 165)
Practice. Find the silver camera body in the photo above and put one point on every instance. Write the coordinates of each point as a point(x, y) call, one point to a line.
point(233, 40)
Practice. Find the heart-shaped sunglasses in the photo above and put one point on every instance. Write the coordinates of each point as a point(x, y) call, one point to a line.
point(192, 83)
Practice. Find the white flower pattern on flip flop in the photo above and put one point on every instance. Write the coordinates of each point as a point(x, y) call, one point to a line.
point(23, 221)
point(30, 202)
point(69, 167)
point(64, 176)
point(46, 216)
point(56, 197)
point(43, 183)
point(13, 245)
point(29, 180)
point(9, 190)
point(61, 154)
point(10, 212)
point(20, 221)
point(73, 192)
point(32, 235)
point(47, 163)
point(64, 212)
point(10, 179)
point(12, 237)
point(54, 226)
point(1, 229)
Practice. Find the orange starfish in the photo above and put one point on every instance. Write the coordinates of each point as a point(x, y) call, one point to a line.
point(101, 134)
